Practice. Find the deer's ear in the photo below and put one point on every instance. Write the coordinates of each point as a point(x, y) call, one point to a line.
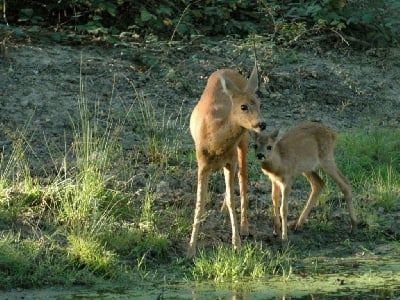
point(274, 135)
point(228, 86)
point(278, 134)
point(252, 83)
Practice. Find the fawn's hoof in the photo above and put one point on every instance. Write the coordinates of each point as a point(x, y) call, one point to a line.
point(247, 237)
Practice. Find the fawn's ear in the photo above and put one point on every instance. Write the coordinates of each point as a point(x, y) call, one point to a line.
point(253, 134)
point(228, 86)
point(252, 83)
point(275, 135)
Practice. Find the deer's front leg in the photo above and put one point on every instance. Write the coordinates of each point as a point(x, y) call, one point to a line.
point(285, 190)
point(229, 173)
point(243, 178)
point(275, 195)
point(202, 186)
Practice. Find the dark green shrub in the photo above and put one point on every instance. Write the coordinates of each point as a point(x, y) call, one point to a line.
point(374, 22)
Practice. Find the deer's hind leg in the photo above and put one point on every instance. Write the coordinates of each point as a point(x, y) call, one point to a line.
point(332, 170)
point(317, 184)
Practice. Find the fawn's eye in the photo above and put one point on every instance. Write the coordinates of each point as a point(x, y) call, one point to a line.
point(255, 146)
point(244, 107)
point(269, 148)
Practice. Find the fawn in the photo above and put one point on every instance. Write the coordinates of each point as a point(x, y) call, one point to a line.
point(219, 126)
point(302, 150)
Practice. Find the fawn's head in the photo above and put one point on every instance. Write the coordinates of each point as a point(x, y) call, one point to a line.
point(264, 144)
point(245, 109)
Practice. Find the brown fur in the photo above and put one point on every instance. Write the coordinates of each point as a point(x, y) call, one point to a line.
point(302, 150)
point(219, 126)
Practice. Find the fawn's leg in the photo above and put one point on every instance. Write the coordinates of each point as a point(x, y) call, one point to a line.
point(333, 171)
point(285, 190)
point(317, 185)
point(275, 195)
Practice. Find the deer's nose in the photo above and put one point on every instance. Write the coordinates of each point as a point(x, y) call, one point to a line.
point(260, 156)
point(262, 125)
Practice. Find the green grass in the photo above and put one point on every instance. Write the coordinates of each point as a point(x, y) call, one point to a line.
point(370, 158)
point(365, 152)
point(253, 261)
point(162, 134)
point(85, 251)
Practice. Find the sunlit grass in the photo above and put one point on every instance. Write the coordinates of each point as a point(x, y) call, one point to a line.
point(86, 251)
point(253, 261)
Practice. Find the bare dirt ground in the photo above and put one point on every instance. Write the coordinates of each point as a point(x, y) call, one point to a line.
point(40, 85)
point(341, 88)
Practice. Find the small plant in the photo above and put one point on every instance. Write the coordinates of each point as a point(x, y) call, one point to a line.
point(30, 262)
point(147, 220)
point(161, 134)
point(384, 186)
point(86, 252)
point(251, 262)
point(14, 261)
point(85, 195)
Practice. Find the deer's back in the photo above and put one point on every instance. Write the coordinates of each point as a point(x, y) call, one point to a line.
point(306, 145)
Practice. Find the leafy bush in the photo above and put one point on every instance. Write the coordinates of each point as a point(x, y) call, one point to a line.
point(372, 21)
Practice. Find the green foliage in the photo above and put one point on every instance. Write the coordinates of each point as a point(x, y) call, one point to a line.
point(289, 21)
point(83, 199)
point(374, 21)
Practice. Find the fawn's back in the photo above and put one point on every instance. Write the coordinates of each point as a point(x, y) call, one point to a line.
point(303, 148)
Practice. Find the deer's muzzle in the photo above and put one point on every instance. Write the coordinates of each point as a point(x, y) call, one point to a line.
point(260, 156)
point(262, 125)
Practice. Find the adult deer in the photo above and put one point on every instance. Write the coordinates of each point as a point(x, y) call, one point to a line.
point(219, 125)
point(302, 150)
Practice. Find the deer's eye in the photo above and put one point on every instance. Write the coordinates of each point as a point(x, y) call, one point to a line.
point(255, 146)
point(244, 107)
point(269, 148)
